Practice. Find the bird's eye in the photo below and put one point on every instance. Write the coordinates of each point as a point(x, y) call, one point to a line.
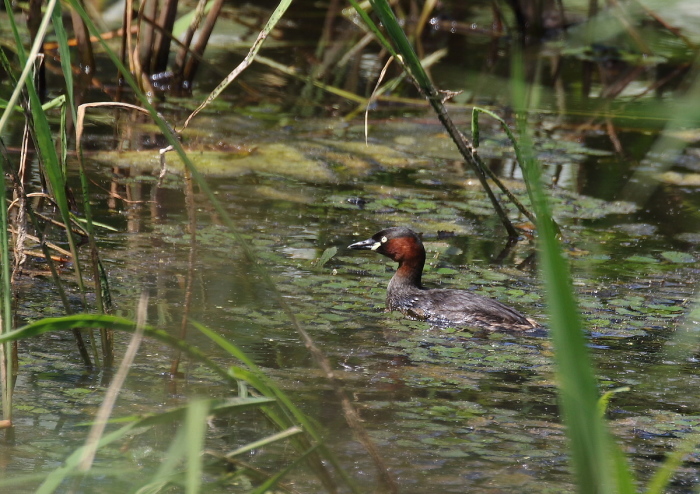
point(384, 239)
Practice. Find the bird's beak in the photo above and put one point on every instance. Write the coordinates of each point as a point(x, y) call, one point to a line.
point(369, 244)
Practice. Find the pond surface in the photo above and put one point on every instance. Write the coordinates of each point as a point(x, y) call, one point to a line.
point(450, 411)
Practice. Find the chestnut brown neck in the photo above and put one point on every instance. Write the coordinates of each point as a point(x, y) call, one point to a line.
point(410, 255)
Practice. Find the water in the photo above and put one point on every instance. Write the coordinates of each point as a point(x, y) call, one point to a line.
point(449, 411)
point(446, 408)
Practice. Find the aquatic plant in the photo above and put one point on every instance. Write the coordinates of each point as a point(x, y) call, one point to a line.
point(255, 390)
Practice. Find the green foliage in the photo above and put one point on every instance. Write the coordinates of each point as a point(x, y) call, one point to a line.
point(193, 416)
point(52, 164)
point(596, 463)
point(188, 442)
point(6, 317)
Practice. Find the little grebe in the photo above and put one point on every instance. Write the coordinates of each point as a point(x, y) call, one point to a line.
point(440, 306)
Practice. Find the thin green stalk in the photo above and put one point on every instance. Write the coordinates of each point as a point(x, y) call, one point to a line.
point(597, 463)
point(6, 315)
point(138, 423)
point(196, 428)
point(42, 135)
point(5, 256)
point(413, 67)
point(254, 375)
point(659, 482)
point(67, 70)
point(101, 287)
point(27, 61)
point(83, 321)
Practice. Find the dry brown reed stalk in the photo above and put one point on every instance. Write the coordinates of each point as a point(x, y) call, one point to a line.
point(164, 34)
point(262, 36)
point(190, 68)
point(189, 35)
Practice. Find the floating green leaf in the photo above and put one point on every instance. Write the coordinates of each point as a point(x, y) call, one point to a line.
point(678, 257)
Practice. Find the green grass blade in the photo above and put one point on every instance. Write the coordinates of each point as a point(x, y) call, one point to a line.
point(403, 46)
point(70, 467)
point(272, 481)
point(606, 397)
point(52, 167)
point(66, 68)
point(292, 431)
point(102, 321)
point(6, 311)
point(56, 478)
point(54, 175)
point(662, 476)
point(259, 381)
point(153, 487)
point(256, 378)
point(196, 427)
point(64, 53)
point(27, 61)
point(373, 27)
point(168, 467)
point(57, 102)
point(592, 450)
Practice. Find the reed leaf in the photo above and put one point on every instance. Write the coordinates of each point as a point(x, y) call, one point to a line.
point(27, 61)
point(70, 466)
point(41, 131)
point(101, 286)
point(598, 465)
point(411, 63)
point(290, 413)
point(6, 370)
point(659, 482)
point(403, 46)
point(196, 428)
point(102, 321)
point(168, 468)
point(292, 431)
